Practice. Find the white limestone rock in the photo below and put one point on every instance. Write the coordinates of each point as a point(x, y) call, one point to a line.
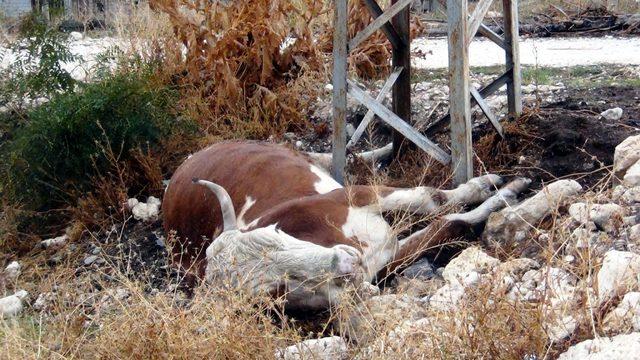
point(618, 274)
point(393, 305)
point(621, 347)
point(583, 237)
point(76, 36)
point(553, 284)
point(617, 192)
point(626, 154)
point(631, 196)
point(634, 234)
point(55, 243)
point(612, 114)
point(561, 328)
point(145, 211)
point(329, 348)
point(632, 176)
point(384, 311)
point(626, 316)
point(556, 289)
point(12, 305)
point(12, 271)
point(447, 298)
point(44, 301)
point(471, 262)
point(606, 216)
point(517, 267)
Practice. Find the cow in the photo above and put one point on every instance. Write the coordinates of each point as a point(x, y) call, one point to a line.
point(271, 220)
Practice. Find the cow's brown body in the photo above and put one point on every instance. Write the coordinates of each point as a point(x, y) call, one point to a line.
point(277, 178)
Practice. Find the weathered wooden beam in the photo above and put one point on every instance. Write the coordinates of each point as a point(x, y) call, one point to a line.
point(387, 28)
point(476, 18)
point(378, 22)
point(486, 109)
point(485, 31)
point(401, 57)
point(496, 84)
point(398, 124)
point(340, 54)
point(459, 99)
point(511, 37)
point(368, 117)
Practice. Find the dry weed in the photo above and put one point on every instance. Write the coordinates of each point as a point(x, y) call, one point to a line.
point(249, 68)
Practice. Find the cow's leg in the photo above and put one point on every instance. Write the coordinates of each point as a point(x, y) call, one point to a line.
point(427, 200)
point(376, 154)
point(451, 226)
point(324, 160)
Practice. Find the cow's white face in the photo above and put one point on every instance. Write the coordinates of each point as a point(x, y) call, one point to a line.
point(269, 261)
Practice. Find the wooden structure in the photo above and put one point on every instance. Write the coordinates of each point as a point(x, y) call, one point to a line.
point(394, 22)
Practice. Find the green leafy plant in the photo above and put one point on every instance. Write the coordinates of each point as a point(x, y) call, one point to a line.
point(37, 70)
point(55, 155)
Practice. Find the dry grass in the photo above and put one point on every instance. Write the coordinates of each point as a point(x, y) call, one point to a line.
point(140, 326)
point(87, 320)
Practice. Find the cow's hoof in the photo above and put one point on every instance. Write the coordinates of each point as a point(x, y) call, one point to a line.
point(347, 262)
point(487, 184)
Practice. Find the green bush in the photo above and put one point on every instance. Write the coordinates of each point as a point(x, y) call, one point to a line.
point(66, 142)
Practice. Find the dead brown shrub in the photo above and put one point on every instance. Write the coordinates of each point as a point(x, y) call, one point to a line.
point(248, 66)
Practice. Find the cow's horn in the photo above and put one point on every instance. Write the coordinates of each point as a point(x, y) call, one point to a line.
point(226, 205)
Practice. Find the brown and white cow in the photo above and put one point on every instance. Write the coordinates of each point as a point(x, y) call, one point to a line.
point(282, 225)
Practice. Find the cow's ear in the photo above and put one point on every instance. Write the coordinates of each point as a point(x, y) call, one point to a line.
point(226, 205)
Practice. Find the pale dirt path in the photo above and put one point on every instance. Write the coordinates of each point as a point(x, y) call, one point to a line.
point(553, 52)
point(431, 53)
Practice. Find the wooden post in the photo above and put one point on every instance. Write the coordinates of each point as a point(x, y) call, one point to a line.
point(340, 53)
point(402, 87)
point(459, 98)
point(511, 39)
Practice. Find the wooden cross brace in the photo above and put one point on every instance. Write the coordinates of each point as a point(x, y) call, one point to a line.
point(462, 28)
point(399, 82)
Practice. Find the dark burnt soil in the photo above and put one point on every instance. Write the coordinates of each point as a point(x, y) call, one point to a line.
point(593, 22)
point(137, 250)
point(568, 139)
point(596, 21)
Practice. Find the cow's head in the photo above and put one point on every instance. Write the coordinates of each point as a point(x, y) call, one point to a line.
point(268, 260)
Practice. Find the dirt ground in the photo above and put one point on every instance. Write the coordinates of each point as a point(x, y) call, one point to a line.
point(568, 139)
